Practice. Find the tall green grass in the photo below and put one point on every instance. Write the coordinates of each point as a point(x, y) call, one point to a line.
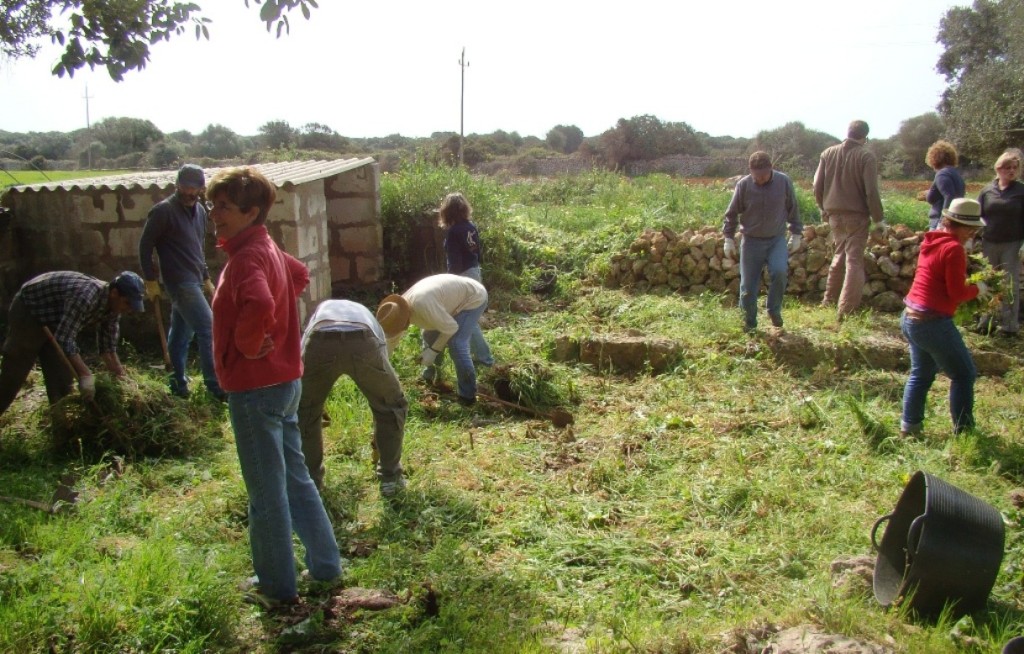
point(679, 511)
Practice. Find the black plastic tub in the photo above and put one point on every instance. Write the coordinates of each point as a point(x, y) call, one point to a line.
point(941, 546)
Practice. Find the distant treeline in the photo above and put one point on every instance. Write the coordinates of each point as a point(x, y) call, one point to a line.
point(133, 143)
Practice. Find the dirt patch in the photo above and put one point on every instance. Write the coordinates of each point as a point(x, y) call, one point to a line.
point(802, 639)
point(369, 599)
point(879, 351)
point(621, 353)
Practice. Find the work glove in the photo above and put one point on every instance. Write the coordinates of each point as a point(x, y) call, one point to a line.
point(208, 287)
point(428, 356)
point(984, 294)
point(881, 227)
point(153, 290)
point(730, 248)
point(794, 242)
point(87, 387)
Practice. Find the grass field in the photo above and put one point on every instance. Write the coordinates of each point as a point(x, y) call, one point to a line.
point(683, 512)
point(20, 177)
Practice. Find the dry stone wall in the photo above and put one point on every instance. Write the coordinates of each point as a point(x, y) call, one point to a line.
point(693, 261)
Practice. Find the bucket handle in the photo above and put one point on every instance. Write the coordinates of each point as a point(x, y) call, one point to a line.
point(914, 537)
point(874, 530)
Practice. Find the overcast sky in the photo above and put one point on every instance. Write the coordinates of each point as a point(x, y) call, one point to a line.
point(379, 68)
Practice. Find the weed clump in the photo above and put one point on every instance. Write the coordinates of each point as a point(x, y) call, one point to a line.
point(133, 416)
point(532, 385)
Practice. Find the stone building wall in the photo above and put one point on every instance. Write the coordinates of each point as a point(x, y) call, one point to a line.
point(331, 224)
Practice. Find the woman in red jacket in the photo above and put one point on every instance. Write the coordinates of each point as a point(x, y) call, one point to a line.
point(258, 362)
point(940, 285)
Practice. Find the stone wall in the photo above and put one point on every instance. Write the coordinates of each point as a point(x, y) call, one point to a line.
point(689, 166)
point(693, 261)
point(675, 165)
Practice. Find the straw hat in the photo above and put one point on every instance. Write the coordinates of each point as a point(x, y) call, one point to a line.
point(964, 211)
point(393, 314)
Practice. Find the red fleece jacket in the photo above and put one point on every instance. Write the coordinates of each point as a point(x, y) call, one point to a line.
point(256, 300)
point(940, 283)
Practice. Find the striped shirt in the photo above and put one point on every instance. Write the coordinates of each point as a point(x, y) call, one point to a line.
point(66, 302)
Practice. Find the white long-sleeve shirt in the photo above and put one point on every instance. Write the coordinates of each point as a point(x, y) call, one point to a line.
point(435, 300)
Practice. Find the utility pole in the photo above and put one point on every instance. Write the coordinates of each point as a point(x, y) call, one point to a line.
point(88, 127)
point(462, 102)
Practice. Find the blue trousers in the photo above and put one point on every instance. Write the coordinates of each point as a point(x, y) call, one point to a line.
point(755, 254)
point(937, 345)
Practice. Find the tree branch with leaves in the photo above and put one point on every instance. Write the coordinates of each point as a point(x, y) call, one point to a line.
point(116, 35)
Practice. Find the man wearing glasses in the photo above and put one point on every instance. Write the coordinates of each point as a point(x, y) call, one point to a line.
point(176, 229)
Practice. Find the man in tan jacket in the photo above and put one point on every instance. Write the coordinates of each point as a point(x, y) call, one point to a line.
point(846, 190)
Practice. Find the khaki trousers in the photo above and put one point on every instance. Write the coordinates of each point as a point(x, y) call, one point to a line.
point(845, 284)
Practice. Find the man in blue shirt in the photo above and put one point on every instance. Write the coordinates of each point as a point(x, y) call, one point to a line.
point(762, 204)
point(64, 302)
point(176, 229)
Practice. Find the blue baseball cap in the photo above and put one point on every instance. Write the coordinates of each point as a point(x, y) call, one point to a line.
point(132, 288)
point(191, 175)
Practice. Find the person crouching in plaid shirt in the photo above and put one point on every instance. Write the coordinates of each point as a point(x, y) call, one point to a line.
point(64, 302)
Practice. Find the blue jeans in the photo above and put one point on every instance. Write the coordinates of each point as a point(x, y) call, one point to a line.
point(190, 316)
point(937, 345)
point(755, 253)
point(458, 345)
point(282, 496)
point(478, 346)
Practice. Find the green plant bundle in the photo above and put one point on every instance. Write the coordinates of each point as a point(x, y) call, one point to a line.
point(132, 416)
point(981, 271)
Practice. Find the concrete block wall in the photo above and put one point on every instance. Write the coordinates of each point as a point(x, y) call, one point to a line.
point(332, 225)
point(356, 236)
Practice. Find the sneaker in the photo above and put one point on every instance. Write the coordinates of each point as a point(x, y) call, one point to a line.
point(393, 487)
point(910, 430)
point(776, 319)
point(267, 603)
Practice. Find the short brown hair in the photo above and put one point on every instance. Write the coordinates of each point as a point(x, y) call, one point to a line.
point(941, 154)
point(858, 130)
point(246, 187)
point(454, 208)
point(759, 161)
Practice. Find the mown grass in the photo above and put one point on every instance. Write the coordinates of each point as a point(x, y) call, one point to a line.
point(679, 509)
point(20, 177)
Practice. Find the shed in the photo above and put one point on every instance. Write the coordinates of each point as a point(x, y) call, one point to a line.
point(327, 214)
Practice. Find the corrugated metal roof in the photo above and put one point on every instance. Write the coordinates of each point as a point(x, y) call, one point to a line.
point(281, 174)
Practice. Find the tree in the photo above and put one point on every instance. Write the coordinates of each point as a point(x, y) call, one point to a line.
point(315, 136)
point(915, 136)
point(115, 35)
point(217, 142)
point(565, 138)
point(121, 136)
point(645, 137)
point(793, 147)
point(983, 61)
point(278, 134)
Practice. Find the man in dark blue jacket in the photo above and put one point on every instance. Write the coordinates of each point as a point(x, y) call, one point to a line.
point(176, 229)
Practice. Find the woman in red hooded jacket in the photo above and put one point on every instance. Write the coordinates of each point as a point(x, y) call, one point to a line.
point(256, 348)
point(940, 285)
